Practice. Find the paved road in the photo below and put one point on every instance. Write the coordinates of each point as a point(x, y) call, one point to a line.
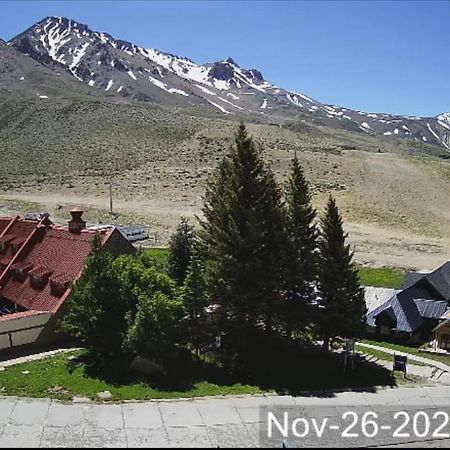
point(216, 422)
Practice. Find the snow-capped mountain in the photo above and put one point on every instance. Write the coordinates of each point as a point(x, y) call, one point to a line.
point(122, 69)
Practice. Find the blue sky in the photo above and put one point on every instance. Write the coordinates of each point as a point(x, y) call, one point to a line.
point(379, 56)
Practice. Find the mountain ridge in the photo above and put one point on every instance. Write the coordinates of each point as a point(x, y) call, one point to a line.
point(121, 69)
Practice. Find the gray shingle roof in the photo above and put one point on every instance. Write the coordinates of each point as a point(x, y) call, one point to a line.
point(410, 307)
point(431, 309)
point(440, 280)
point(424, 296)
point(375, 296)
point(411, 278)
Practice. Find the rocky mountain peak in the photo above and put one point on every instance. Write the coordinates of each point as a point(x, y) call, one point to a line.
point(119, 68)
point(255, 74)
point(222, 70)
point(445, 117)
point(231, 61)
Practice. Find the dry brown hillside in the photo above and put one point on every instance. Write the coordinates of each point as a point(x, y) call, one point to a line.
point(396, 203)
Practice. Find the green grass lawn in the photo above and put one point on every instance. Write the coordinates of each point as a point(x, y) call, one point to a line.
point(383, 356)
point(445, 359)
point(282, 371)
point(379, 277)
point(55, 377)
point(160, 255)
point(386, 277)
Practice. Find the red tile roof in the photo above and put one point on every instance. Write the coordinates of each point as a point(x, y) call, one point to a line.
point(4, 222)
point(39, 276)
point(15, 237)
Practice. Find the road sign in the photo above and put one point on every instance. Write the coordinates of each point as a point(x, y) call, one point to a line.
point(400, 363)
point(210, 346)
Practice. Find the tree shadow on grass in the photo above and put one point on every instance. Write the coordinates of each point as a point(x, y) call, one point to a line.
point(268, 363)
point(289, 368)
point(181, 374)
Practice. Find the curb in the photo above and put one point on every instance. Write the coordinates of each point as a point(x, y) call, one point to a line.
point(327, 392)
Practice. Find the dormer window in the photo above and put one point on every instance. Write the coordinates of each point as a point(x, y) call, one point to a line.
point(21, 269)
point(59, 289)
point(39, 277)
point(4, 242)
point(18, 275)
point(37, 282)
point(59, 284)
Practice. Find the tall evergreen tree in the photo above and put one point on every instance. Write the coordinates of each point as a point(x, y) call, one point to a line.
point(300, 271)
point(181, 247)
point(195, 300)
point(342, 307)
point(95, 312)
point(242, 235)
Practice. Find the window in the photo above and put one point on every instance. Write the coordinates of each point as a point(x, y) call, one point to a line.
point(445, 342)
point(37, 282)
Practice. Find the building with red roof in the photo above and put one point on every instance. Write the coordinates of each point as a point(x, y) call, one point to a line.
point(39, 261)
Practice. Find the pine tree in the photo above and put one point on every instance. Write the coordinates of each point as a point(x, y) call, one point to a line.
point(181, 246)
point(242, 235)
point(195, 300)
point(301, 251)
point(341, 298)
point(95, 312)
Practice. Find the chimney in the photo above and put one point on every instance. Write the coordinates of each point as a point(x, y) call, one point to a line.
point(77, 223)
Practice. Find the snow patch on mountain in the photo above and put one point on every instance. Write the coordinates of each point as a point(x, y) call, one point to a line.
point(219, 107)
point(294, 100)
point(78, 54)
point(232, 104)
point(443, 124)
point(205, 90)
point(304, 97)
point(178, 91)
point(97, 59)
point(164, 87)
point(433, 132)
point(444, 118)
point(53, 40)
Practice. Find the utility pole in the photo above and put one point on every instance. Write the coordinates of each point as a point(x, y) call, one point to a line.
point(111, 208)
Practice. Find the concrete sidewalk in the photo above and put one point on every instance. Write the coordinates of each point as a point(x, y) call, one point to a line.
point(15, 359)
point(209, 422)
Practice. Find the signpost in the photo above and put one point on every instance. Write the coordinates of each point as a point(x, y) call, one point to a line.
point(400, 363)
point(349, 352)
